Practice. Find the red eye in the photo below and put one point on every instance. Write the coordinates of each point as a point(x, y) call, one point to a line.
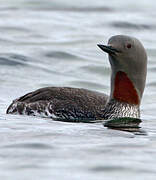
point(129, 46)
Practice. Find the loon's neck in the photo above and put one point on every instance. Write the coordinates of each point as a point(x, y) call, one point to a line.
point(124, 100)
point(117, 109)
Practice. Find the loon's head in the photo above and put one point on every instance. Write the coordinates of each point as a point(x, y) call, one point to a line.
point(128, 61)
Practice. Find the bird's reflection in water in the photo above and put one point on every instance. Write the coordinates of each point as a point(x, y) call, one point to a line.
point(126, 124)
point(136, 131)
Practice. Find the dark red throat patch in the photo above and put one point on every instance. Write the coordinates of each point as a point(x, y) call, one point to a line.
point(124, 89)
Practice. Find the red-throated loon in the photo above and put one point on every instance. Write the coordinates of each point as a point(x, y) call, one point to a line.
point(128, 62)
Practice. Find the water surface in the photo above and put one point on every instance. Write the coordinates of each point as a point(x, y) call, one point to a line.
point(53, 43)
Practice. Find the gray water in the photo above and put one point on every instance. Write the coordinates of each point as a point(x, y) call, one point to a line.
point(53, 43)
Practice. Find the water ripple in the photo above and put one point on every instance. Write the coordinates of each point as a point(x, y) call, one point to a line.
point(11, 59)
point(128, 25)
point(33, 145)
point(60, 54)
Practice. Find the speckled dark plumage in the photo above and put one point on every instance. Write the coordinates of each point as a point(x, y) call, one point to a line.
point(69, 104)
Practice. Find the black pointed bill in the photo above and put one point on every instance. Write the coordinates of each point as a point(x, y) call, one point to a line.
point(107, 49)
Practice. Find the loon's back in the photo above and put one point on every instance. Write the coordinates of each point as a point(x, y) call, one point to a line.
point(71, 104)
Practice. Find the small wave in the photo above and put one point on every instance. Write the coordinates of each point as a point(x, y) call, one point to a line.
point(97, 69)
point(151, 84)
point(60, 54)
point(152, 69)
point(88, 85)
point(11, 59)
point(107, 168)
point(127, 25)
point(77, 9)
point(34, 145)
point(14, 28)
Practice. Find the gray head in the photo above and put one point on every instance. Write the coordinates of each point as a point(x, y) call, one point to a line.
point(128, 61)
